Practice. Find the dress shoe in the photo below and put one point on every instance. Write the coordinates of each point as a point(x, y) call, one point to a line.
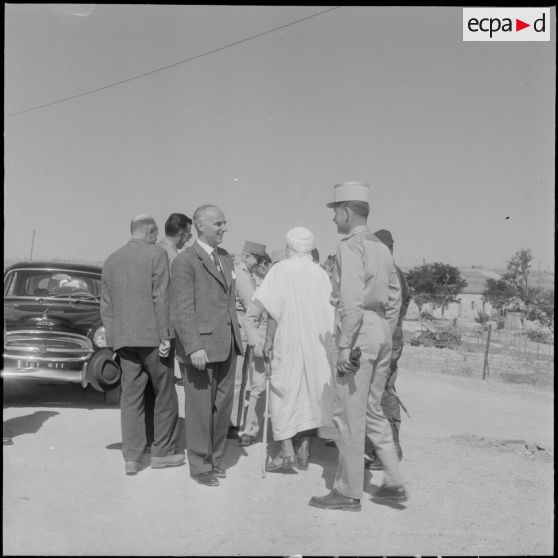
point(335, 501)
point(172, 460)
point(207, 478)
point(390, 493)
point(280, 463)
point(133, 467)
point(219, 473)
point(247, 440)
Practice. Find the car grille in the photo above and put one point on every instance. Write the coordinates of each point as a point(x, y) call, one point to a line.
point(46, 346)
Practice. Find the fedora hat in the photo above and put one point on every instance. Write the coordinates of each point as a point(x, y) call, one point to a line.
point(349, 191)
point(103, 372)
point(254, 248)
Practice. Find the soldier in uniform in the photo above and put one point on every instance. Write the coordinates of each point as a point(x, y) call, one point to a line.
point(252, 254)
point(367, 298)
point(390, 401)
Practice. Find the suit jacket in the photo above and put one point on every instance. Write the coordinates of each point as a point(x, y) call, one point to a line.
point(134, 296)
point(203, 308)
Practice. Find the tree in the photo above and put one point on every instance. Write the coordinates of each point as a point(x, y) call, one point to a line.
point(541, 307)
point(513, 290)
point(499, 293)
point(517, 273)
point(436, 283)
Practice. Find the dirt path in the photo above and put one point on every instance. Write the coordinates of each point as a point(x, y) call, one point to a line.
point(478, 483)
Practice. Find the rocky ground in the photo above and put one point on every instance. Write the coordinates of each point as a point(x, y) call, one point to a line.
point(478, 459)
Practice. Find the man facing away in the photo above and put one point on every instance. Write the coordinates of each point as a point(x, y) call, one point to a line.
point(390, 401)
point(367, 298)
point(135, 313)
point(178, 231)
point(203, 314)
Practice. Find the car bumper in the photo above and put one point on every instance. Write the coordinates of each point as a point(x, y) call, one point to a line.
point(12, 372)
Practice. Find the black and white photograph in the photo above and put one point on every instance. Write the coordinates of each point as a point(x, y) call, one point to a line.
point(278, 280)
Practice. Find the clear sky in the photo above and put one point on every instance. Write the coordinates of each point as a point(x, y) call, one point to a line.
point(455, 138)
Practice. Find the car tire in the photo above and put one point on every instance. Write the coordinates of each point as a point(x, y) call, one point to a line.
point(112, 397)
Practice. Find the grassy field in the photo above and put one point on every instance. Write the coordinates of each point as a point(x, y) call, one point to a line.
point(512, 357)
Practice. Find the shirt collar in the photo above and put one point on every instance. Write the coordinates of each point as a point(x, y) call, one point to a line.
point(356, 230)
point(209, 249)
point(169, 243)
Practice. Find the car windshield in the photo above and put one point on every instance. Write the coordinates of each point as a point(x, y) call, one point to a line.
point(52, 283)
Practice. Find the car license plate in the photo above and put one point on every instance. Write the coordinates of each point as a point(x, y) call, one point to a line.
point(26, 364)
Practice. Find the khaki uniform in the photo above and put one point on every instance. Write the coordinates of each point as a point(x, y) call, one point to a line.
point(367, 297)
point(255, 321)
point(245, 287)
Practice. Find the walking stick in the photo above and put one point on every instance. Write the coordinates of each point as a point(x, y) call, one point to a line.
point(400, 402)
point(266, 413)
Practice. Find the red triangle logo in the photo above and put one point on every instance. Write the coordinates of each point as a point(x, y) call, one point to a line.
point(519, 25)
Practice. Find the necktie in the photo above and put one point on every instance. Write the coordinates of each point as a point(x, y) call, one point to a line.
point(217, 262)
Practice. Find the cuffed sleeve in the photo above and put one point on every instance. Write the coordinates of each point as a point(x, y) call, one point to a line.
point(350, 304)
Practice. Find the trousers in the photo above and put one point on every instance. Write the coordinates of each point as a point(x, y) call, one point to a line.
point(140, 365)
point(390, 404)
point(256, 386)
point(358, 410)
point(208, 405)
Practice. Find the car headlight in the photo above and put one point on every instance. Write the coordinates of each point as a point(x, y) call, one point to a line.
point(99, 337)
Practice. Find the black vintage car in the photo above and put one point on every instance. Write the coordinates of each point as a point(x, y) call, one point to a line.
point(52, 322)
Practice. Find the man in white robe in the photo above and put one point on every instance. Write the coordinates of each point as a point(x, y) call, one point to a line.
point(299, 342)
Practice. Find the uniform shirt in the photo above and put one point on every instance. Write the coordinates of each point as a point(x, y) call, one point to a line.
point(364, 278)
point(245, 287)
point(255, 323)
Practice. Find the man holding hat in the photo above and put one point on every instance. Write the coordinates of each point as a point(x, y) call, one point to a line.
point(253, 253)
point(390, 401)
point(367, 298)
point(136, 315)
point(203, 313)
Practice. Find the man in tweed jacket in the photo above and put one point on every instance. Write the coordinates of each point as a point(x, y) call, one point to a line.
point(136, 316)
point(203, 313)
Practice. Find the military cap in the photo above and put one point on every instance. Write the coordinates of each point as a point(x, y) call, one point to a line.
point(349, 191)
point(254, 248)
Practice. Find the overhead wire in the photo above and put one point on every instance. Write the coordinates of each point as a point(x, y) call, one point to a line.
point(169, 66)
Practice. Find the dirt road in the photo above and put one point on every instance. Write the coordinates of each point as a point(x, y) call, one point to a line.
point(478, 458)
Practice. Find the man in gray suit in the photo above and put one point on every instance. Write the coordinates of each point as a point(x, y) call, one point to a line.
point(203, 313)
point(136, 315)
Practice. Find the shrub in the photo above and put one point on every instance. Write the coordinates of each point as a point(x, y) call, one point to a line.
point(538, 336)
point(482, 317)
point(444, 338)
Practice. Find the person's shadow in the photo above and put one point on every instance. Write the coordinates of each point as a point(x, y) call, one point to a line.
point(28, 424)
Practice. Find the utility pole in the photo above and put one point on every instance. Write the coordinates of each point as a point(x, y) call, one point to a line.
point(32, 244)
